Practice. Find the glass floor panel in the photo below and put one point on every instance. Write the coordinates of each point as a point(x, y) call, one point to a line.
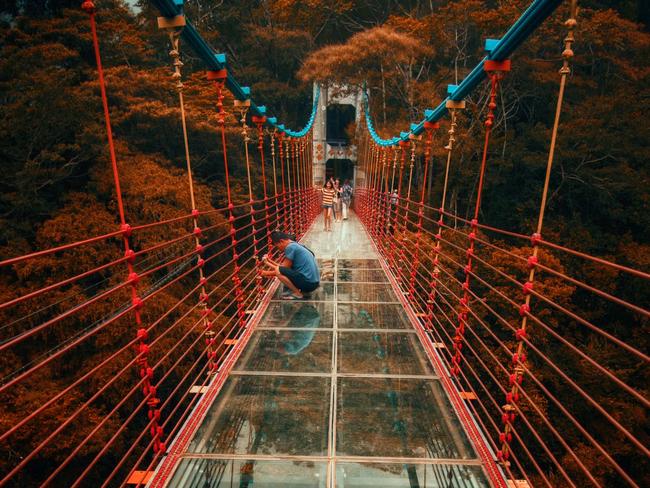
point(390, 353)
point(270, 415)
point(366, 475)
point(410, 418)
point(365, 292)
point(299, 314)
point(329, 393)
point(362, 275)
point(288, 350)
point(239, 473)
point(371, 316)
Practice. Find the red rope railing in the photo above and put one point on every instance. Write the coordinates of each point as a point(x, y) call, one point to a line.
point(566, 411)
point(182, 336)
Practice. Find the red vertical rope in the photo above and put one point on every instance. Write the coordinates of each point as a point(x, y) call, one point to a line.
point(291, 183)
point(373, 216)
point(280, 139)
point(299, 194)
point(407, 205)
point(379, 194)
point(360, 202)
point(310, 175)
point(428, 127)
point(495, 76)
point(145, 371)
point(309, 178)
point(298, 173)
point(407, 201)
point(305, 180)
point(174, 36)
point(380, 198)
point(309, 183)
point(393, 229)
point(390, 209)
point(296, 187)
point(219, 78)
point(519, 357)
point(287, 169)
point(243, 109)
point(272, 136)
point(259, 123)
point(433, 283)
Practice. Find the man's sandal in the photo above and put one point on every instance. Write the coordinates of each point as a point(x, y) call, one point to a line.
point(291, 297)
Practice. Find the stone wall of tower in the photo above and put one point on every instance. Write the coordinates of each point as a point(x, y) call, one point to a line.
point(322, 151)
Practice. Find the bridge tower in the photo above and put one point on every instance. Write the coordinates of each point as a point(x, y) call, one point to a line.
point(335, 154)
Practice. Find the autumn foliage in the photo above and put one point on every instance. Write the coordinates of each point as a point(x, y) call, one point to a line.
point(57, 186)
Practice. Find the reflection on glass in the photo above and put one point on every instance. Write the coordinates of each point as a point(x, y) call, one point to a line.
point(382, 352)
point(238, 473)
point(397, 418)
point(325, 262)
point(270, 415)
point(371, 316)
point(365, 292)
point(362, 275)
point(455, 476)
point(289, 350)
point(327, 274)
point(359, 263)
point(299, 315)
point(358, 475)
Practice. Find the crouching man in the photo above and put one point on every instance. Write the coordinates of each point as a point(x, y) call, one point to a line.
point(297, 270)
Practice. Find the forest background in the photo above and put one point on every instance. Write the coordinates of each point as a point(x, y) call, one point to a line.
point(56, 185)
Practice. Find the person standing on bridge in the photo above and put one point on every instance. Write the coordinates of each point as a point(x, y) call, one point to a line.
point(337, 201)
point(328, 203)
point(346, 198)
point(298, 270)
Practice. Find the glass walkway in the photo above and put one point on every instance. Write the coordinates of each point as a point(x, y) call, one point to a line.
point(336, 391)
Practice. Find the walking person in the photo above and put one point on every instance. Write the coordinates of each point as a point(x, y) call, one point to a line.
point(328, 204)
point(337, 201)
point(298, 270)
point(393, 210)
point(346, 198)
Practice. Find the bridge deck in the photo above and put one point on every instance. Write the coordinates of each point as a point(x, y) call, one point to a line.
point(337, 391)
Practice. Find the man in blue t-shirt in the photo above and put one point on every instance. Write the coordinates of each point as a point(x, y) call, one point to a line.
point(297, 270)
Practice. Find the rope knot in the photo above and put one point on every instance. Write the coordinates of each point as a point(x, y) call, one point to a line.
point(88, 6)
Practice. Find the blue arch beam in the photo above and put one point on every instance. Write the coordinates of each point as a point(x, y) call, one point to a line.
point(499, 50)
point(215, 61)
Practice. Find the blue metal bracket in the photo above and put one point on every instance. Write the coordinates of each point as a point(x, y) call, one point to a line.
point(491, 44)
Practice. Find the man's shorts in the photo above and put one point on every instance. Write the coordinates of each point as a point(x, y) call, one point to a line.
point(298, 280)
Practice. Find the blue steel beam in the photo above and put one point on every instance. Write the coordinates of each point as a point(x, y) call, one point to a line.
point(215, 62)
point(499, 50)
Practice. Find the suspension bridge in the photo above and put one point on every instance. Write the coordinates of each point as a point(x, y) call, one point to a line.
point(432, 355)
